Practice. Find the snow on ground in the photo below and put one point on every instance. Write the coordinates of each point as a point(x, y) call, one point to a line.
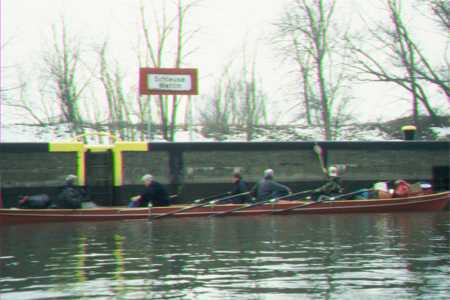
point(22, 133)
point(441, 133)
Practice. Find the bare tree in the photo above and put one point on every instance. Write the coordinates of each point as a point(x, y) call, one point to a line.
point(61, 65)
point(441, 12)
point(251, 99)
point(307, 35)
point(216, 116)
point(295, 54)
point(4, 89)
point(118, 107)
point(38, 110)
point(303, 60)
point(238, 100)
point(407, 67)
point(16, 95)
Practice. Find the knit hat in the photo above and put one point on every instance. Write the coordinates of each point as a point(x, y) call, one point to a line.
point(147, 178)
point(71, 178)
point(268, 173)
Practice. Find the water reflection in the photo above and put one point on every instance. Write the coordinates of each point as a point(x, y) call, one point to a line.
point(294, 257)
point(80, 266)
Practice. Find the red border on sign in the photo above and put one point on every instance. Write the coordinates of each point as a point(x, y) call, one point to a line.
point(144, 90)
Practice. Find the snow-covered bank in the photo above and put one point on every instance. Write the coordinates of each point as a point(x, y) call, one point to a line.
point(357, 132)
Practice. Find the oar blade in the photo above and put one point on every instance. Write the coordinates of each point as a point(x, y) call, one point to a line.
point(317, 149)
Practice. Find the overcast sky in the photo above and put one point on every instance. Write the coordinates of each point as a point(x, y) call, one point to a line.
point(224, 26)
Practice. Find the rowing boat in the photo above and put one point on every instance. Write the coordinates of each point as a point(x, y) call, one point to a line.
point(421, 203)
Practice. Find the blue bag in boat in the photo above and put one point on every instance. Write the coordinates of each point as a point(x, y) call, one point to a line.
point(35, 201)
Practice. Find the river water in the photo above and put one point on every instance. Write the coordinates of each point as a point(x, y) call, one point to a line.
point(366, 256)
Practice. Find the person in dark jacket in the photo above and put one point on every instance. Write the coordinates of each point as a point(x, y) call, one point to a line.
point(154, 193)
point(71, 195)
point(268, 188)
point(239, 187)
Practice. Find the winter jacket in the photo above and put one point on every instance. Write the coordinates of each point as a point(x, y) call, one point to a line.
point(239, 187)
point(156, 194)
point(268, 188)
point(71, 196)
point(332, 187)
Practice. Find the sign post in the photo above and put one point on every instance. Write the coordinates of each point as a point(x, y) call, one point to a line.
point(168, 81)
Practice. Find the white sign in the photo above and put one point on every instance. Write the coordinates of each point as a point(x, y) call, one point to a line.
point(169, 82)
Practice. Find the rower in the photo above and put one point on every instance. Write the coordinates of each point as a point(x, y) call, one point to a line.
point(154, 193)
point(239, 187)
point(71, 195)
point(267, 188)
point(331, 188)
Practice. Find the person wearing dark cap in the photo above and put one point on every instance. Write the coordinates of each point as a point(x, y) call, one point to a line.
point(71, 195)
point(267, 188)
point(154, 193)
point(239, 187)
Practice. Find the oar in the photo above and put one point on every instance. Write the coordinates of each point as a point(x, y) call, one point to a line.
point(342, 196)
point(319, 201)
point(228, 197)
point(202, 199)
point(198, 205)
point(273, 200)
point(295, 207)
point(211, 197)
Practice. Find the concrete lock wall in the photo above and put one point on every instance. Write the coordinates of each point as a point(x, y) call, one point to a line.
point(411, 161)
point(31, 168)
point(193, 170)
point(113, 173)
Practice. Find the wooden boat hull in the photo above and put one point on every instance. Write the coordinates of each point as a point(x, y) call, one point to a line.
point(431, 202)
point(68, 215)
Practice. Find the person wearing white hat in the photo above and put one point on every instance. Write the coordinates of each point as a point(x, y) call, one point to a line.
point(154, 193)
point(267, 188)
point(332, 172)
point(332, 187)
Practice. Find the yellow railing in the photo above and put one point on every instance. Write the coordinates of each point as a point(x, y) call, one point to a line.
point(117, 147)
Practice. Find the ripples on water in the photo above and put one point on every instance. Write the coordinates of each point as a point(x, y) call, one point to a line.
point(379, 256)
